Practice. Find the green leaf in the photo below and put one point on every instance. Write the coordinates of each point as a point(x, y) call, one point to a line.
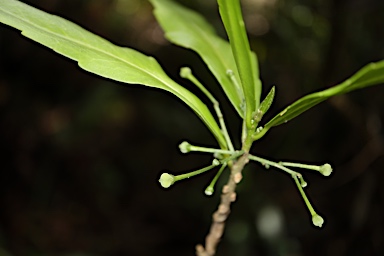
point(371, 74)
point(99, 56)
point(267, 102)
point(265, 105)
point(189, 29)
point(231, 15)
point(256, 79)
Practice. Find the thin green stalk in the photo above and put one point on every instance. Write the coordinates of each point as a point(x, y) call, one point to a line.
point(187, 73)
point(212, 150)
point(325, 169)
point(317, 220)
point(223, 126)
point(166, 180)
point(303, 195)
point(274, 164)
point(303, 166)
point(194, 173)
point(211, 188)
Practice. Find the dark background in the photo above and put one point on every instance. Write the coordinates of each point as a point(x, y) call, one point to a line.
point(81, 155)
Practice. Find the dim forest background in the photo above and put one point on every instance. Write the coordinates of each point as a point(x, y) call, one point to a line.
point(81, 155)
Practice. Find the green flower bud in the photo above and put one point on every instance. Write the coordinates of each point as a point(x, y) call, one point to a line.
point(166, 180)
point(185, 147)
point(325, 169)
point(303, 183)
point(317, 220)
point(215, 162)
point(209, 191)
point(185, 72)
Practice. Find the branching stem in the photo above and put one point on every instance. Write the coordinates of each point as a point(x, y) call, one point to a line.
point(220, 216)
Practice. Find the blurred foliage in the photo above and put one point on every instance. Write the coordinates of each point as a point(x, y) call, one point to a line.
point(81, 155)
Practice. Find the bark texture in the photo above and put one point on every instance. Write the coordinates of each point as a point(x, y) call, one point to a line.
point(220, 216)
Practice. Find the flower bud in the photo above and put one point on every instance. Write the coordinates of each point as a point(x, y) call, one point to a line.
point(303, 183)
point(325, 169)
point(166, 180)
point(215, 162)
point(209, 191)
point(317, 220)
point(185, 147)
point(185, 72)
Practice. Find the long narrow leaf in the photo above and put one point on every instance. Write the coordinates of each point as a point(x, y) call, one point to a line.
point(99, 56)
point(231, 15)
point(371, 74)
point(256, 79)
point(189, 29)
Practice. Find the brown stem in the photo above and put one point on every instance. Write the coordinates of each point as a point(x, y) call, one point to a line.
point(219, 217)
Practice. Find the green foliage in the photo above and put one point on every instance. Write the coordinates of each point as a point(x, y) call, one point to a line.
point(99, 56)
point(229, 63)
point(265, 105)
point(190, 30)
point(371, 74)
point(246, 62)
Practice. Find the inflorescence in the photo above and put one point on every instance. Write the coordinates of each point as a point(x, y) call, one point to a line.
point(227, 156)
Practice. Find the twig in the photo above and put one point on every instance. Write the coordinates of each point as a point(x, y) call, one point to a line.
point(220, 216)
